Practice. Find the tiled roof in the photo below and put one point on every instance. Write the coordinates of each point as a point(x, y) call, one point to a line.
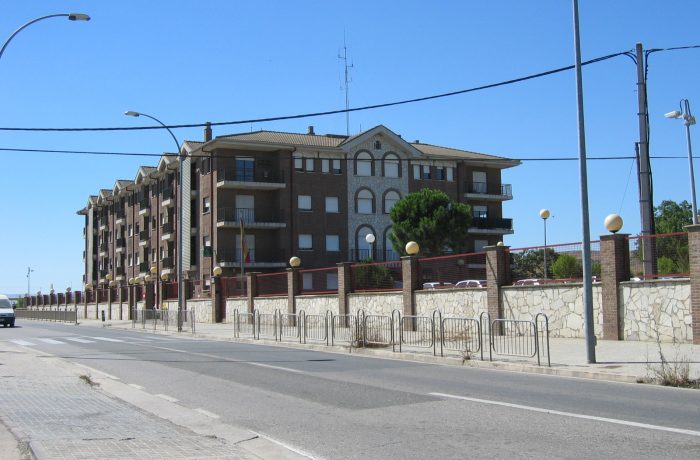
point(436, 150)
point(277, 137)
point(124, 183)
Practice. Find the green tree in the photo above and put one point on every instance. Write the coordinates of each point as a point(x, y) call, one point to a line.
point(672, 217)
point(430, 218)
point(530, 263)
point(372, 276)
point(567, 266)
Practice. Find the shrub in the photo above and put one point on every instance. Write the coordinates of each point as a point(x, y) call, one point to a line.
point(567, 266)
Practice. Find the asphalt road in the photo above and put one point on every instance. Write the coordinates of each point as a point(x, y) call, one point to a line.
point(346, 406)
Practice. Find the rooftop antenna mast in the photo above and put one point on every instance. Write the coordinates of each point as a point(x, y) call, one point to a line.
point(347, 66)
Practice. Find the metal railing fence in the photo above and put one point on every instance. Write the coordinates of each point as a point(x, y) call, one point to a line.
point(164, 319)
point(65, 316)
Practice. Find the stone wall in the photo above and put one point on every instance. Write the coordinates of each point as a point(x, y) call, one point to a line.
point(91, 311)
point(201, 309)
point(376, 303)
point(317, 304)
point(235, 304)
point(270, 304)
point(464, 303)
point(562, 303)
point(659, 308)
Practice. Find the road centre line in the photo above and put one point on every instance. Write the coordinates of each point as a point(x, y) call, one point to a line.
point(138, 387)
point(571, 414)
point(207, 413)
point(207, 355)
point(167, 398)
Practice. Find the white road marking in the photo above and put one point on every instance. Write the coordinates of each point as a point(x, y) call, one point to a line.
point(79, 340)
point(52, 341)
point(571, 414)
point(167, 398)
point(138, 387)
point(106, 339)
point(24, 343)
point(207, 355)
point(207, 413)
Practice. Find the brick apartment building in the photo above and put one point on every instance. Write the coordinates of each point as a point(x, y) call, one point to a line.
point(313, 196)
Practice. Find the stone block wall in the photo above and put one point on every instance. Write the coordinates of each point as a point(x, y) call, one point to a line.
point(465, 303)
point(375, 303)
point(657, 309)
point(240, 304)
point(317, 304)
point(270, 304)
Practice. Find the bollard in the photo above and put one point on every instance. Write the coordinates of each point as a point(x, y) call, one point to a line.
point(103, 316)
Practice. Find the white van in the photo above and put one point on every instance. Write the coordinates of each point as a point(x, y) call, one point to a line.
point(7, 313)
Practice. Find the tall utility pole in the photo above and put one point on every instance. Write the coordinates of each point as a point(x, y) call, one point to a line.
point(344, 58)
point(29, 277)
point(646, 204)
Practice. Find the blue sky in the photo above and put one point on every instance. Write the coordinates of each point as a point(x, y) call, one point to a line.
point(197, 61)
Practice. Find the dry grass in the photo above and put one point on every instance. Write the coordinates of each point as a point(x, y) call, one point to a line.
point(87, 379)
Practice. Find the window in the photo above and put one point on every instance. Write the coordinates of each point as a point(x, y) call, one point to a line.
point(130, 260)
point(309, 164)
point(336, 167)
point(416, 172)
point(479, 181)
point(450, 174)
point(245, 169)
point(305, 241)
point(163, 254)
point(325, 166)
point(425, 172)
point(304, 202)
point(390, 200)
point(479, 245)
point(154, 254)
point(206, 166)
point(480, 212)
point(440, 173)
point(363, 164)
point(206, 204)
point(391, 166)
point(377, 145)
point(138, 259)
point(245, 208)
point(331, 281)
point(298, 164)
point(332, 243)
point(365, 202)
point(206, 241)
point(307, 280)
point(331, 204)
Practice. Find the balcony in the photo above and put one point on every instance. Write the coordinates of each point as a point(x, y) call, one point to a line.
point(250, 180)
point(232, 258)
point(167, 264)
point(166, 231)
point(144, 267)
point(120, 272)
point(119, 217)
point(103, 247)
point(144, 207)
point(102, 225)
point(260, 218)
point(144, 237)
point(485, 225)
point(488, 191)
point(121, 244)
point(168, 197)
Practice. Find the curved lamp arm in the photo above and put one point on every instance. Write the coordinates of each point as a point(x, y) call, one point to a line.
point(70, 16)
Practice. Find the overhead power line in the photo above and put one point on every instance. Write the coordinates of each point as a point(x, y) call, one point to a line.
point(331, 112)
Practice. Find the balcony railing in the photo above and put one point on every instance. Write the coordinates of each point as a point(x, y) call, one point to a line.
point(121, 242)
point(144, 204)
point(233, 256)
point(166, 228)
point(144, 267)
point(167, 262)
point(144, 235)
point(167, 193)
point(120, 271)
point(104, 246)
point(486, 188)
point(492, 224)
point(120, 214)
point(249, 215)
point(267, 176)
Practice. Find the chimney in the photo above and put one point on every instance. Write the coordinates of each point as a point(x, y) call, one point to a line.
point(416, 141)
point(207, 132)
point(311, 131)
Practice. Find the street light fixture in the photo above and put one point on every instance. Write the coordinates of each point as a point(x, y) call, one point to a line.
point(544, 214)
point(180, 208)
point(70, 16)
point(689, 120)
point(370, 239)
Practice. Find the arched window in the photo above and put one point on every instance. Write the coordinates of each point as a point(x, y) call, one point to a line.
point(365, 202)
point(363, 164)
point(390, 199)
point(364, 249)
point(377, 145)
point(389, 252)
point(391, 165)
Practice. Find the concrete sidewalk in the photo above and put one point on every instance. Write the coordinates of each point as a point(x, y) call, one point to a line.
point(54, 409)
point(621, 361)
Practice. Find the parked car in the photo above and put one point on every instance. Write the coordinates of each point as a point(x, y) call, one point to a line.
point(528, 282)
point(471, 284)
point(437, 285)
point(7, 313)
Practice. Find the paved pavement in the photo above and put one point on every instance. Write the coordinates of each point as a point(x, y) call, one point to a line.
point(49, 411)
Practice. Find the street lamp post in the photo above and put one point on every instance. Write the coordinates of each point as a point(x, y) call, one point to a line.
point(181, 233)
point(70, 16)
point(370, 239)
point(688, 120)
point(544, 214)
point(29, 278)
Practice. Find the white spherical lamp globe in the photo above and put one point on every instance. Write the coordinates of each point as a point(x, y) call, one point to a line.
point(217, 271)
point(294, 262)
point(412, 248)
point(370, 238)
point(544, 213)
point(613, 223)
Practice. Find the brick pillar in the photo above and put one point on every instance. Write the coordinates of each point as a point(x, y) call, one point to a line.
point(110, 293)
point(497, 275)
point(292, 290)
point(694, 256)
point(150, 294)
point(411, 283)
point(217, 305)
point(615, 268)
point(252, 290)
point(344, 287)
